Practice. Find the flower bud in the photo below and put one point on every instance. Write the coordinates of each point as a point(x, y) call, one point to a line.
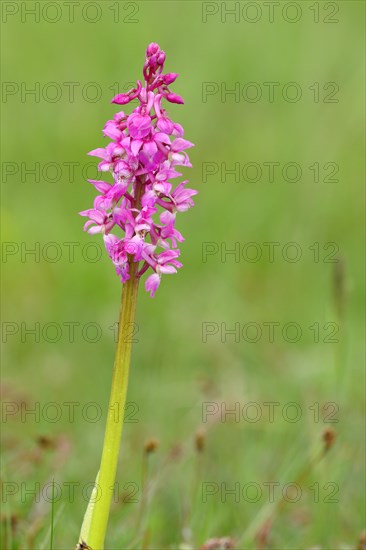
point(161, 58)
point(152, 49)
point(121, 99)
point(153, 61)
point(174, 98)
point(169, 78)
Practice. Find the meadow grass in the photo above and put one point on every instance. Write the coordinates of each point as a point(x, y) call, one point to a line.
point(174, 373)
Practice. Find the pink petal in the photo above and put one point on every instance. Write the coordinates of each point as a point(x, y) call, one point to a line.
point(101, 186)
point(100, 152)
point(152, 284)
point(136, 146)
point(162, 137)
point(167, 269)
point(180, 144)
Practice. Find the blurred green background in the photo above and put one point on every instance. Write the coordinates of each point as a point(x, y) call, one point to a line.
point(175, 373)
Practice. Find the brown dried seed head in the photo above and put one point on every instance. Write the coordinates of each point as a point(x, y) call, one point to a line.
point(176, 452)
point(329, 437)
point(263, 534)
point(200, 440)
point(225, 543)
point(151, 445)
point(45, 442)
point(14, 519)
point(362, 541)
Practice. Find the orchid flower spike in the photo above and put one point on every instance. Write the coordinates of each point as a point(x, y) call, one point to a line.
point(143, 156)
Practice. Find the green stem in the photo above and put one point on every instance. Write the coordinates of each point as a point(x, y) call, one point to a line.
point(113, 433)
